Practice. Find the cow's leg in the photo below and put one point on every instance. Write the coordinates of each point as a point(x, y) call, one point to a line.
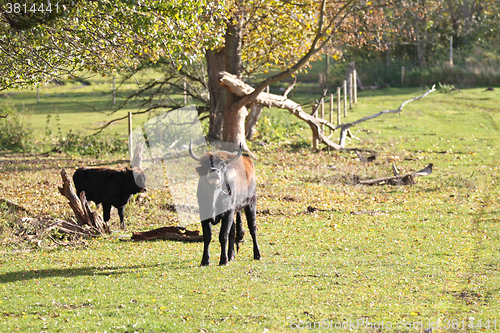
point(225, 228)
point(251, 213)
point(230, 249)
point(207, 238)
point(122, 217)
point(239, 231)
point(106, 212)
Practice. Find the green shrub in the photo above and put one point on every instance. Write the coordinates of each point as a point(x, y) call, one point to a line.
point(275, 129)
point(7, 218)
point(15, 131)
point(95, 145)
point(446, 88)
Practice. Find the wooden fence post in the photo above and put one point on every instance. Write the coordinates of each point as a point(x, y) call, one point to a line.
point(345, 98)
point(402, 76)
point(331, 111)
point(350, 91)
point(338, 105)
point(184, 91)
point(451, 50)
point(315, 140)
point(130, 143)
point(355, 85)
point(322, 106)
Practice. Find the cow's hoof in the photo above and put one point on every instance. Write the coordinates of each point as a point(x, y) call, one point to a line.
point(222, 263)
point(204, 263)
point(257, 257)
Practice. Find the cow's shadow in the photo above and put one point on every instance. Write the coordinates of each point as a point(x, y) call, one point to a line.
point(32, 274)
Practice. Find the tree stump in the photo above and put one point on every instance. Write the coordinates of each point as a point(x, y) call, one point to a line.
point(81, 208)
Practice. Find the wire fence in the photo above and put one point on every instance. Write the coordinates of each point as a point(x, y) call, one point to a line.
point(347, 95)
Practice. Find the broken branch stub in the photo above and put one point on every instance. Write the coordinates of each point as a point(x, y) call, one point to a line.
point(81, 208)
point(346, 126)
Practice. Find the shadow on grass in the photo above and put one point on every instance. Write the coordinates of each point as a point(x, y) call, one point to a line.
point(25, 275)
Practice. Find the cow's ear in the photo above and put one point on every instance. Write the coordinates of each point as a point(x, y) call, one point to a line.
point(201, 171)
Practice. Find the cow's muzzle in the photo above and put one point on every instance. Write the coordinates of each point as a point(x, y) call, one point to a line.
point(214, 177)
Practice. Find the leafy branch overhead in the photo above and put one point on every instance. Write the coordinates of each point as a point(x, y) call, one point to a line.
point(332, 23)
point(102, 36)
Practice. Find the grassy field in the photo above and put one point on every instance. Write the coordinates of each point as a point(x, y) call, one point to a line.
point(401, 258)
point(82, 108)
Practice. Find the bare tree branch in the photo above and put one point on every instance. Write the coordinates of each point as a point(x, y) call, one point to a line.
point(239, 88)
point(290, 87)
point(320, 34)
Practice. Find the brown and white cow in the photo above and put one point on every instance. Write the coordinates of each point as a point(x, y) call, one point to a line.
point(226, 186)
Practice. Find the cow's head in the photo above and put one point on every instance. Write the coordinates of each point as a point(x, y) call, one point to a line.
point(213, 166)
point(138, 178)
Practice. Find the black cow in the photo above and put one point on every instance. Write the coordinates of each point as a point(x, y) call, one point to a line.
point(109, 187)
point(226, 186)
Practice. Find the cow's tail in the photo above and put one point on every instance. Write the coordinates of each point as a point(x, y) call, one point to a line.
point(239, 231)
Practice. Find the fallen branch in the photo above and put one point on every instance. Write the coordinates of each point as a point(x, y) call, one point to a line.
point(345, 127)
point(408, 179)
point(170, 233)
point(241, 89)
point(43, 225)
point(71, 228)
point(14, 205)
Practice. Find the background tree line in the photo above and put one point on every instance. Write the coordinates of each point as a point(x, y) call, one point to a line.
point(262, 42)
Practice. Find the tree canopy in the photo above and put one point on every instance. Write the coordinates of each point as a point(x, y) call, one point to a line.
point(43, 42)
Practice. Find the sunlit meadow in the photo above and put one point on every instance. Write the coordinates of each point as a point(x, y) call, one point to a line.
point(334, 252)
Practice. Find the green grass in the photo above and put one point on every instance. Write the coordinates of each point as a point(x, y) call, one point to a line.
point(418, 254)
point(81, 108)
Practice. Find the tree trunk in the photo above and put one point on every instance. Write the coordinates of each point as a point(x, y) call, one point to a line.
point(234, 125)
point(215, 64)
point(234, 117)
point(251, 121)
point(420, 53)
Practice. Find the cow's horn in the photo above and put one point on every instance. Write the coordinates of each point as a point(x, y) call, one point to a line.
point(191, 151)
point(237, 156)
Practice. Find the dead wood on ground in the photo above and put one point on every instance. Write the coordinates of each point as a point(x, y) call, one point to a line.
point(14, 205)
point(170, 233)
point(81, 208)
point(408, 179)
